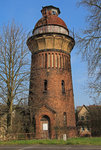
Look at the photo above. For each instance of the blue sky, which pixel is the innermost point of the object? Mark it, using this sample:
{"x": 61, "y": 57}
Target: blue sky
{"x": 27, "y": 13}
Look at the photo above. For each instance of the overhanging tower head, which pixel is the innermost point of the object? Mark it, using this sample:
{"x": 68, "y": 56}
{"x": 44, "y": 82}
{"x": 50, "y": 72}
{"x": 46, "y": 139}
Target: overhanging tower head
{"x": 52, "y": 29}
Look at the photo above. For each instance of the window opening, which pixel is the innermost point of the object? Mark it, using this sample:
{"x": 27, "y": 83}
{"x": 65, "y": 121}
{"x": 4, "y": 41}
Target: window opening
{"x": 82, "y": 117}
{"x": 63, "y": 86}
{"x": 45, "y": 85}
{"x": 82, "y": 128}
{"x": 65, "y": 118}
{"x": 87, "y": 117}
{"x": 54, "y": 12}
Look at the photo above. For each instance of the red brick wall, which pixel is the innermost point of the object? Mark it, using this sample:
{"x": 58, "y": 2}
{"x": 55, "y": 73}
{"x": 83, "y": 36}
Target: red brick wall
{"x": 53, "y": 97}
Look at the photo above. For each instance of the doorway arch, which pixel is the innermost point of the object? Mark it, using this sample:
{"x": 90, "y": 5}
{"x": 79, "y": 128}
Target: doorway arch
{"x": 45, "y": 127}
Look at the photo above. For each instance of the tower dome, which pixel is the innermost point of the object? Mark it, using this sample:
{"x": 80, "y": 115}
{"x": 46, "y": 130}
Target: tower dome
{"x": 50, "y": 22}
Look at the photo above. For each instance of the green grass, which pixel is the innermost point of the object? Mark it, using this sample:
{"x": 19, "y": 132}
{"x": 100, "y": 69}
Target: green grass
{"x": 71, "y": 141}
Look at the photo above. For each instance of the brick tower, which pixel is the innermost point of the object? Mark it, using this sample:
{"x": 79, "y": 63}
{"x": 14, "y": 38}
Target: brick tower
{"x": 51, "y": 93}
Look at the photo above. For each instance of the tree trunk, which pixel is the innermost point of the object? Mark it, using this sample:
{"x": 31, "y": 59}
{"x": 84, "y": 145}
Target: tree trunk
{"x": 9, "y": 116}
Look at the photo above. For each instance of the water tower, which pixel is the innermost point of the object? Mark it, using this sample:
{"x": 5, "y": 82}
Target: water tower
{"x": 51, "y": 91}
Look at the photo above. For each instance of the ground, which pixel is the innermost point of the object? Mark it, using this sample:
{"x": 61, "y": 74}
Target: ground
{"x": 50, "y": 147}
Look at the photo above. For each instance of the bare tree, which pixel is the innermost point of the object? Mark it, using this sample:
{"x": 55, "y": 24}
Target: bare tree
{"x": 89, "y": 43}
{"x": 14, "y": 67}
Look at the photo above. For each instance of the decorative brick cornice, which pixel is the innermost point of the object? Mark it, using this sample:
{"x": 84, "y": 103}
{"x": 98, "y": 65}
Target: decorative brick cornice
{"x": 51, "y": 50}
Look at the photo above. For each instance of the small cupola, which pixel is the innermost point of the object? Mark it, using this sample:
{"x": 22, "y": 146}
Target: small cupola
{"x": 50, "y": 10}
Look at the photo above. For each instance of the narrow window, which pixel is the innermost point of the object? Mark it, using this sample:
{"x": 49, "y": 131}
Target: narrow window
{"x": 63, "y": 86}
{"x": 45, "y": 60}
{"x": 45, "y": 85}
{"x": 65, "y": 118}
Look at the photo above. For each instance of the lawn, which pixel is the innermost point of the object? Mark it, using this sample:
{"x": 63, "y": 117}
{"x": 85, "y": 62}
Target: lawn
{"x": 71, "y": 141}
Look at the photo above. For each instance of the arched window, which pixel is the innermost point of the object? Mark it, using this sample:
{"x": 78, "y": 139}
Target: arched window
{"x": 45, "y": 85}
{"x": 63, "y": 86}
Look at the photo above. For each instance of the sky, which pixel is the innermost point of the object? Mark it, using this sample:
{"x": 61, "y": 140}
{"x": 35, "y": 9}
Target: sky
{"x": 27, "y": 13}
